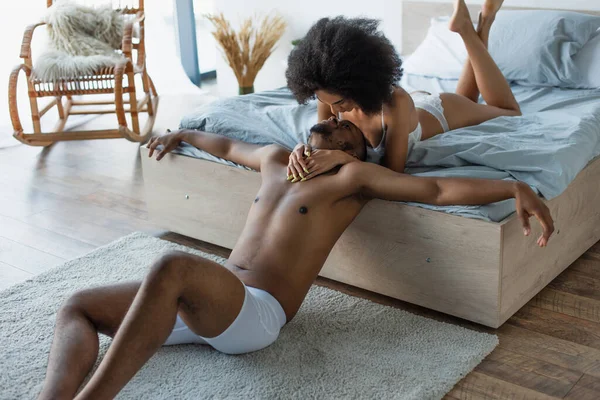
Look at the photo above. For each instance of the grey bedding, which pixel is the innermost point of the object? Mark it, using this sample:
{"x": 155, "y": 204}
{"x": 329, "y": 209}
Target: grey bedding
{"x": 557, "y": 136}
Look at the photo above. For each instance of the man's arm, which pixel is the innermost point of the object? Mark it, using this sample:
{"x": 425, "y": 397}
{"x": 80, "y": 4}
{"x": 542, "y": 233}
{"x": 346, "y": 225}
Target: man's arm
{"x": 375, "y": 181}
{"x": 237, "y": 151}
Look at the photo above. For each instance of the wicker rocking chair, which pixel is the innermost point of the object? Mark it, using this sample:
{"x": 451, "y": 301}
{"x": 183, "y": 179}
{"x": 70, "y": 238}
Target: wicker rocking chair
{"x": 105, "y": 81}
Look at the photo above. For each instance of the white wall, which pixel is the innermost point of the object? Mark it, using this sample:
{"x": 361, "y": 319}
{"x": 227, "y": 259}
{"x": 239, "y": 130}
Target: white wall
{"x": 301, "y": 14}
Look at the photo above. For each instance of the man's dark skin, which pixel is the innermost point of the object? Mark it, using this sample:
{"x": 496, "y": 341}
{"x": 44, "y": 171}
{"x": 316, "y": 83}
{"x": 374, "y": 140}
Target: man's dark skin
{"x": 289, "y": 232}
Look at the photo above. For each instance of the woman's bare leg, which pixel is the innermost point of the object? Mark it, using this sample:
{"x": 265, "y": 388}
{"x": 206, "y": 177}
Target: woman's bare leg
{"x": 485, "y": 73}
{"x": 467, "y": 85}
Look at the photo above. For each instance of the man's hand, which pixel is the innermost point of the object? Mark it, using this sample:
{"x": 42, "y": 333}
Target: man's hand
{"x": 528, "y": 205}
{"x": 169, "y": 141}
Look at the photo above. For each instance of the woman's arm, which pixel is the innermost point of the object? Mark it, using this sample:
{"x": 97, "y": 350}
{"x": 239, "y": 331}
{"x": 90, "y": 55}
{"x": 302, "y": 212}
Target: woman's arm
{"x": 400, "y": 117}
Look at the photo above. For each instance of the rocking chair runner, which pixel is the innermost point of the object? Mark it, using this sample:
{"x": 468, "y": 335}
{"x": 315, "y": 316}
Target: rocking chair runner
{"x": 105, "y": 81}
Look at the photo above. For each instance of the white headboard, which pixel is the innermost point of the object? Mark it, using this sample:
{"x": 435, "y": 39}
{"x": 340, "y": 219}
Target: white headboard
{"x": 416, "y": 17}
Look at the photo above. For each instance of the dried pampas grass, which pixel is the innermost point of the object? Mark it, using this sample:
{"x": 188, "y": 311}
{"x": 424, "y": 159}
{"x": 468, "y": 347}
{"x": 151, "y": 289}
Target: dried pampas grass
{"x": 247, "y": 50}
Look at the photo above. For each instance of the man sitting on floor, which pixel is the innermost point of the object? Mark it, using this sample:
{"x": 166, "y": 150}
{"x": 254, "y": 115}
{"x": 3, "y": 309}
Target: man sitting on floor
{"x": 239, "y": 308}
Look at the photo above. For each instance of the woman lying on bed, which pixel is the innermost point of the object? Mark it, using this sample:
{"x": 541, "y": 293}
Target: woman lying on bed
{"x": 352, "y": 69}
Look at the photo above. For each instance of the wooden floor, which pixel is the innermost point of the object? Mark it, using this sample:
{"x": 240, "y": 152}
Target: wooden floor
{"x": 61, "y": 202}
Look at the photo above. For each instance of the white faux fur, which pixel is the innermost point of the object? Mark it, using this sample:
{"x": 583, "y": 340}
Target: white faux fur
{"x": 83, "y": 40}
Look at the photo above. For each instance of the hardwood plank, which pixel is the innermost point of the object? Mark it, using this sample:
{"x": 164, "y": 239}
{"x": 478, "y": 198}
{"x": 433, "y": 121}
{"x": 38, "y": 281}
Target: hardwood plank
{"x": 480, "y": 386}
{"x": 575, "y": 330}
{"x": 42, "y": 239}
{"x": 26, "y": 258}
{"x": 568, "y": 304}
{"x": 577, "y": 283}
{"x": 549, "y": 349}
{"x": 588, "y": 264}
{"x": 119, "y": 203}
{"x": 588, "y": 388}
{"x": 197, "y": 244}
{"x": 595, "y": 249}
{"x": 10, "y": 275}
{"x": 530, "y": 373}
{"x": 16, "y": 208}
{"x": 77, "y": 225}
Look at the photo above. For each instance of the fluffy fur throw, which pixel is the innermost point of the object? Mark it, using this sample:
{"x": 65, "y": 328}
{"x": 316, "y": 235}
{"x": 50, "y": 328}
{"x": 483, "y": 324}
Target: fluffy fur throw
{"x": 82, "y": 39}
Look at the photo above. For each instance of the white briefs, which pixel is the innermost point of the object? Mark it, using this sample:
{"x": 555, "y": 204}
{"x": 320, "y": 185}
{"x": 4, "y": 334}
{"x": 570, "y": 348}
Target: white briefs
{"x": 257, "y": 326}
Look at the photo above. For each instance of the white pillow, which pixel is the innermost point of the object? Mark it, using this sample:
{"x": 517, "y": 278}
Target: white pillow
{"x": 442, "y": 53}
{"x": 575, "y": 64}
{"x": 588, "y": 62}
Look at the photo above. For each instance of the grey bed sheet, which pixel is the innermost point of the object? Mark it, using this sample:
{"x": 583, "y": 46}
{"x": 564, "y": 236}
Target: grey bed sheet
{"x": 557, "y": 136}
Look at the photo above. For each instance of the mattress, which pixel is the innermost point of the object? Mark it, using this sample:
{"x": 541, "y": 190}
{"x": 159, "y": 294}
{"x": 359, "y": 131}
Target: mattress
{"x": 555, "y": 138}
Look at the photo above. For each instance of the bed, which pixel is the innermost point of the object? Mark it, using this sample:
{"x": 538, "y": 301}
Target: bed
{"x": 470, "y": 262}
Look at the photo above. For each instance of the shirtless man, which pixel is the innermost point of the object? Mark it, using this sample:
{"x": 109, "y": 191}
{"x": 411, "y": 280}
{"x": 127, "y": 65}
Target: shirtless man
{"x": 241, "y": 307}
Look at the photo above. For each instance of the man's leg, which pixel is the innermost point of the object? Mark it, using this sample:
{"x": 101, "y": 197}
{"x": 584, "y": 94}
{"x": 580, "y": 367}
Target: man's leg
{"x": 207, "y": 296}
{"x": 75, "y": 346}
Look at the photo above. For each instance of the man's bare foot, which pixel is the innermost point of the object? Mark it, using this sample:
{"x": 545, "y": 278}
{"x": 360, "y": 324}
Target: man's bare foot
{"x": 460, "y": 20}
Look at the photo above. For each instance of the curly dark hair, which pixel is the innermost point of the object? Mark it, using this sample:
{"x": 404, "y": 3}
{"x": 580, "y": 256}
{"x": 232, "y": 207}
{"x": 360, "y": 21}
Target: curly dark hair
{"x": 346, "y": 56}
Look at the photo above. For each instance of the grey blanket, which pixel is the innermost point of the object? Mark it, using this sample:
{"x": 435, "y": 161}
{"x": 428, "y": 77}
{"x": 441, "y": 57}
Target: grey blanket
{"x": 557, "y": 136}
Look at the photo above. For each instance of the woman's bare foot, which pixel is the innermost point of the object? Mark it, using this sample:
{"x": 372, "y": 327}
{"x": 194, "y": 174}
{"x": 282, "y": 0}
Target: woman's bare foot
{"x": 490, "y": 8}
{"x": 487, "y": 16}
{"x": 461, "y": 19}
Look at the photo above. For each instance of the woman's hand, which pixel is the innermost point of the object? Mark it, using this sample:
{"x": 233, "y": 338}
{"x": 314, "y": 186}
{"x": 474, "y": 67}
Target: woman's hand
{"x": 297, "y": 167}
{"x": 169, "y": 141}
{"x": 321, "y": 161}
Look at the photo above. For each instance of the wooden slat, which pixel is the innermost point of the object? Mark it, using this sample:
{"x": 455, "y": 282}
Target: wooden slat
{"x": 93, "y": 103}
{"x": 72, "y": 135}
{"x": 42, "y": 239}
{"x": 119, "y": 203}
{"x": 578, "y": 284}
{"x": 568, "y": 304}
{"x": 588, "y": 264}
{"x": 10, "y": 275}
{"x": 558, "y": 325}
{"x": 103, "y": 111}
{"x": 44, "y": 110}
{"x": 549, "y": 349}
{"x": 588, "y": 388}
{"x": 25, "y": 257}
{"x": 477, "y": 386}
{"x": 530, "y": 373}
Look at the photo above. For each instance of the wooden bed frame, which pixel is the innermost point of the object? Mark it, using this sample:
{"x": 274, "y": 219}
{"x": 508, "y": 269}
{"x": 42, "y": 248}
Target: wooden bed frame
{"x": 477, "y": 270}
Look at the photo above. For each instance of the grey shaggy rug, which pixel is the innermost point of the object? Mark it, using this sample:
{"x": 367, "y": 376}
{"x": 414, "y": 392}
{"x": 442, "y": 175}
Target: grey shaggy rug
{"x": 338, "y": 346}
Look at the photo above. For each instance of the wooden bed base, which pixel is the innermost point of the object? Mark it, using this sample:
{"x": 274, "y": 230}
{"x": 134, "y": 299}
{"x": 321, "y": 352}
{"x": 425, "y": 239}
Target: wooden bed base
{"x": 476, "y": 270}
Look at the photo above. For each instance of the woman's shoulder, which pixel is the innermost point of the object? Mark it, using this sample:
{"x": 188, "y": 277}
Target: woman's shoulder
{"x": 401, "y": 103}
{"x": 401, "y": 97}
